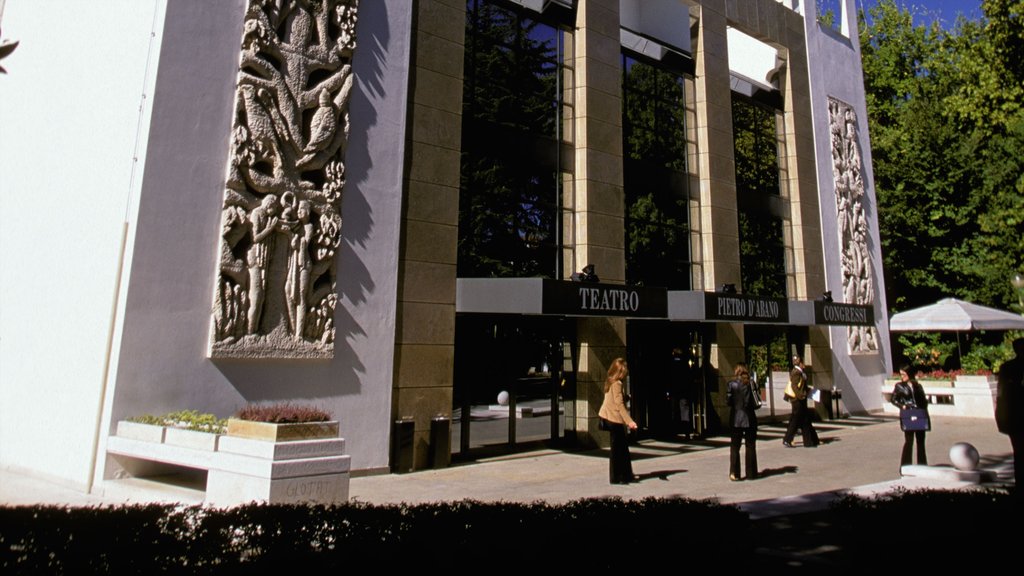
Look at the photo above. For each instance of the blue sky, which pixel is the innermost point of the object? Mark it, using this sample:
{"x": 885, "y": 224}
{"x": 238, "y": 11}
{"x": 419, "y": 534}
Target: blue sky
{"x": 945, "y": 11}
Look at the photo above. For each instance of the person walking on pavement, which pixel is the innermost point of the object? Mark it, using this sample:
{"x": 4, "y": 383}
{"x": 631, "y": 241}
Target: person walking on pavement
{"x": 906, "y": 394}
{"x": 1010, "y": 406}
{"x": 800, "y": 417}
{"x": 616, "y": 419}
{"x": 743, "y": 420}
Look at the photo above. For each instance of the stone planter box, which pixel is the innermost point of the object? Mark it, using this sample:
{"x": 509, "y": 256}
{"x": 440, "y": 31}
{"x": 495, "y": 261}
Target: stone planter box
{"x": 139, "y": 431}
{"x": 191, "y": 438}
{"x": 273, "y": 432}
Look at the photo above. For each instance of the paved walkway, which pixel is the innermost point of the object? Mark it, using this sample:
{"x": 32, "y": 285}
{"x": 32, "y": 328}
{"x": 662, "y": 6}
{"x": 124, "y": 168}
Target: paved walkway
{"x": 858, "y": 455}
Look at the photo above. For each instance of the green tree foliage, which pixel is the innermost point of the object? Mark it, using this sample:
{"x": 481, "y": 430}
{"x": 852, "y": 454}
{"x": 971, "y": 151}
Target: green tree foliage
{"x": 947, "y": 133}
{"x": 947, "y": 130}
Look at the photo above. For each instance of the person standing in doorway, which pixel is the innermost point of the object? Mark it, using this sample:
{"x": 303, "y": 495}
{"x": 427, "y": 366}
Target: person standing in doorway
{"x": 1010, "y": 406}
{"x": 800, "y": 417}
{"x": 907, "y": 394}
{"x": 743, "y": 420}
{"x": 616, "y": 419}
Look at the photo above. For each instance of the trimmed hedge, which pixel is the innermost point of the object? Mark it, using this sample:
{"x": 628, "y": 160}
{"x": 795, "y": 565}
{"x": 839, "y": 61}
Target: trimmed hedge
{"x": 930, "y": 530}
{"x": 596, "y": 533}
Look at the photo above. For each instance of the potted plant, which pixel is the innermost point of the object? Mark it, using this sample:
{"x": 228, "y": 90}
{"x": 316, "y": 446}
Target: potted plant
{"x": 187, "y": 428}
{"x": 282, "y": 422}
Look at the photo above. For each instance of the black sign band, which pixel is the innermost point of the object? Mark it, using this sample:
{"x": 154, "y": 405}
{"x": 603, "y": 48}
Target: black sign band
{"x": 742, "y": 308}
{"x": 836, "y": 314}
{"x": 592, "y": 299}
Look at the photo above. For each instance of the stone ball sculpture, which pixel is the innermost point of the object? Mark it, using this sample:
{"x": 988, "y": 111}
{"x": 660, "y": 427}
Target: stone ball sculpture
{"x": 964, "y": 456}
{"x": 503, "y": 398}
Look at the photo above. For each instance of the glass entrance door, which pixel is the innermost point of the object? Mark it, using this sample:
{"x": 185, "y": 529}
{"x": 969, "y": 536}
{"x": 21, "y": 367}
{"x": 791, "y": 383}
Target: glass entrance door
{"x": 666, "y": 381}
{"x": 514, "y": 381}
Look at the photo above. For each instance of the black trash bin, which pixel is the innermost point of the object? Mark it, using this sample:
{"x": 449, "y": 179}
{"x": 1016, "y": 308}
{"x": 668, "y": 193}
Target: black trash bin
{"x": 402, "y": 436}
{"x": 440, "y": 441}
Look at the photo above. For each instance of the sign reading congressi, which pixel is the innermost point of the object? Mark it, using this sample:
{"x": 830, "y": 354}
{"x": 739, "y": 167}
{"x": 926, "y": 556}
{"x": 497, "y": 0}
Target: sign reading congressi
{"x": 592, "y": 299}
{"x": 837, "y": 314}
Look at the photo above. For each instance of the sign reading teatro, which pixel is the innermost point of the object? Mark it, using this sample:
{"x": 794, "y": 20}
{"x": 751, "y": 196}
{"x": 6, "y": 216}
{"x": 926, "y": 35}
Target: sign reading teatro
{"x": 592, "y": 299}
{"x": 742, "y": 308}
{"x": 837, "y": 314}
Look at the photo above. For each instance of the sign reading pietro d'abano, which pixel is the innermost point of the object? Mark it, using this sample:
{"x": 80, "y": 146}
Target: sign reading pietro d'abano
{"x": 742, "y": 308}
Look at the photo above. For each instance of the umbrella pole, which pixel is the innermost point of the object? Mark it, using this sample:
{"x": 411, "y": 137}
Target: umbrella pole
{"x": 959, "y": 353}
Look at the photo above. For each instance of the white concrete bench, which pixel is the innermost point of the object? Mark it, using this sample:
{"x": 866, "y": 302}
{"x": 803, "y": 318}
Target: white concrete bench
{"x": 969, "y": 396}
{"x": 241, "y": 470}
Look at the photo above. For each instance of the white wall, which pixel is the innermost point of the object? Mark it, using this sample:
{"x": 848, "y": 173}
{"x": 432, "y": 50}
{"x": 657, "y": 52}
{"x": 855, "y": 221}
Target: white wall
{"x": 835, "y": 70}
{"x": 79, "y": 103}
{"x": 161, "y": 345}
{"x": 750, "y": 57}
{"x": 665, "y": 20}
{"x": 69, "y": 119}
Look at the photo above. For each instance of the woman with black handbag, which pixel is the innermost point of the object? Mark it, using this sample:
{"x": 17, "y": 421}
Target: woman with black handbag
{"x": 908, "y": 395}
{"x": 743, "y": 420}
{"x": 615, "y": 419}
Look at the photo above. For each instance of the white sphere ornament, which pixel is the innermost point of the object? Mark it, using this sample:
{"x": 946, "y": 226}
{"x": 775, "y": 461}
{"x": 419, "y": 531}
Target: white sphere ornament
{"x": 503, "y": 398}
{"x": 964, "y": 457}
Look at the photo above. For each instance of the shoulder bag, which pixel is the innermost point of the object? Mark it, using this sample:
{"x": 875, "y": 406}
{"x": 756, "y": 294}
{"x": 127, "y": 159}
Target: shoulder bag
{"x": 915, "y": 420}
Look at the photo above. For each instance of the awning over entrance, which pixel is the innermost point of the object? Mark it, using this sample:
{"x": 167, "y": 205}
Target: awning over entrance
{"x": 562, "y": 298}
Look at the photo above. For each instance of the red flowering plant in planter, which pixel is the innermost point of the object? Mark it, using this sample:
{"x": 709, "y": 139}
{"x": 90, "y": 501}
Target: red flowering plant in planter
{"x": 282, "y": 421}
{"x": 283, "y": 413}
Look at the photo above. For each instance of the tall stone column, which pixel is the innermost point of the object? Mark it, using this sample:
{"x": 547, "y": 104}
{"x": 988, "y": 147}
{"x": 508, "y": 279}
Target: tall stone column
{"x": 717, "y": 168}
{"x": 425, "y": 334}
{"x": 599, "y": 230}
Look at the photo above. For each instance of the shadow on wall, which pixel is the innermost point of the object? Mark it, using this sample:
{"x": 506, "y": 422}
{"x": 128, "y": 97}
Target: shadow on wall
{"x": 277, "y": 380}
{"x": 871, "y": 370}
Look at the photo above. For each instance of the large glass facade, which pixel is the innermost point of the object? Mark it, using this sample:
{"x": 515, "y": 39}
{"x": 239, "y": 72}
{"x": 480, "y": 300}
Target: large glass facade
{"x": 763, "y": 206}
{"x": 515, "y": 200}
{"x": 657, "y": 207}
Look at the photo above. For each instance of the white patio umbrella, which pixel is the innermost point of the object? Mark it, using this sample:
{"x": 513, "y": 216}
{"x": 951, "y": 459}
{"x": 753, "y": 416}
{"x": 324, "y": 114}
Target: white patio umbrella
{"x": 952, "y": 315}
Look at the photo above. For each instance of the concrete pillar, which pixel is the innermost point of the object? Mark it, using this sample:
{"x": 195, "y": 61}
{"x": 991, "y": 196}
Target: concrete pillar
{"x": 425, "y": 332}
{"x": 599, "y": 230}
{"x": 719, "y": 217}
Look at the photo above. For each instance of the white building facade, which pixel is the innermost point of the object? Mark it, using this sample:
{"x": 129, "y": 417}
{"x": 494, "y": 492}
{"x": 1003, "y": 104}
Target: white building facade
{"x": 113, "y": 254}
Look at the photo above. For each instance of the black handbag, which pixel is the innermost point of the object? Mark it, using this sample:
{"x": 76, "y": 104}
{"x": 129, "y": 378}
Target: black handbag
{"x": 915, "y": 420}
{"x": 604, "y": 425}
{"x": 755, "y": 396}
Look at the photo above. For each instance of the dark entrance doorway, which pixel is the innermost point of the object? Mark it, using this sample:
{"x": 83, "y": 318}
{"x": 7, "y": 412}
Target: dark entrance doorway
{"x": 768, "y": 350}
{"x": 515, "y": 382}
{"x": 666, "y": 381}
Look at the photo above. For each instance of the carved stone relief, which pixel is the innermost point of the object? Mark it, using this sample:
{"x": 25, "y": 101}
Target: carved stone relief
{"x": 847, "y": 174}
{"x": 276, "y": 288}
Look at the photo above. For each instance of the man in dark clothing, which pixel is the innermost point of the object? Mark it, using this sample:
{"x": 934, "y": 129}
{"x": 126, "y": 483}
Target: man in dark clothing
{"x": 1010, "y": 405}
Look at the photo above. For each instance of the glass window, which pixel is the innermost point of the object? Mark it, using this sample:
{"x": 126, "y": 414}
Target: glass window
{"x": 512, "y": 204}
{"x": 656, "y": 191}
{"x": 763, "y": 210}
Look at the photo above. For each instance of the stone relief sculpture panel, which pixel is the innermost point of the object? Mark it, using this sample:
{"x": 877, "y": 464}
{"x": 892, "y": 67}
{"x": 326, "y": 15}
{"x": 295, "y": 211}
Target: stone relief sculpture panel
{"x": 847, "y": 174}
{"x": 276, "y": 288}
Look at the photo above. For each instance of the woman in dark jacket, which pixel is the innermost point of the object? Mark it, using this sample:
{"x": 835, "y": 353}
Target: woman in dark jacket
{"x": 908, "y": 393}
{"x": 740, "y": 397}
